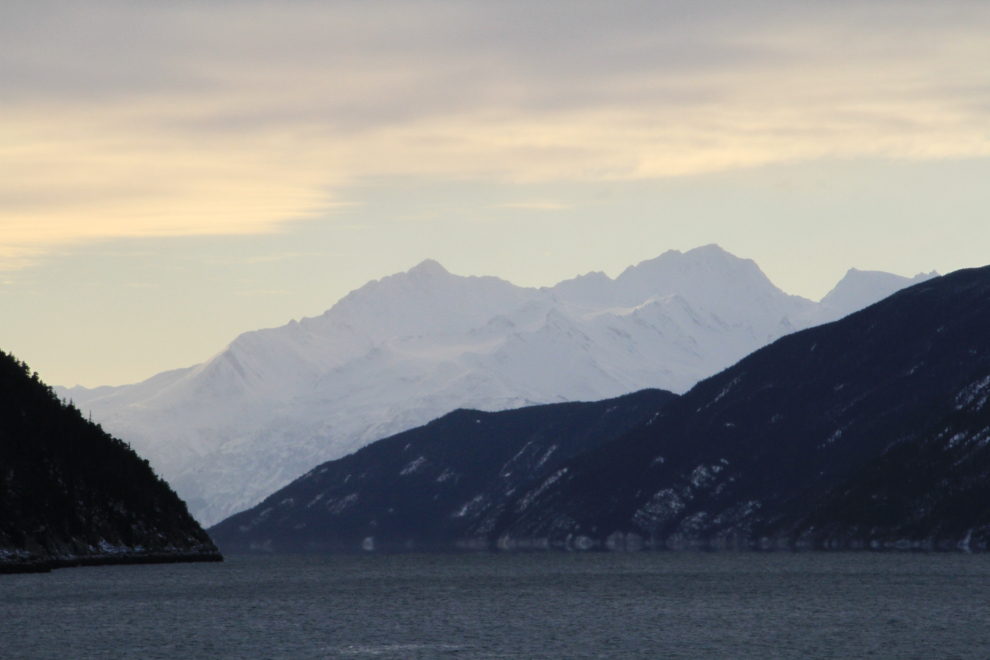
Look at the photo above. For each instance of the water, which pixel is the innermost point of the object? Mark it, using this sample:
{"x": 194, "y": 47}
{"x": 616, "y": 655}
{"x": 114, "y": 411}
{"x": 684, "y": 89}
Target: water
{"x": 649, "y": 605}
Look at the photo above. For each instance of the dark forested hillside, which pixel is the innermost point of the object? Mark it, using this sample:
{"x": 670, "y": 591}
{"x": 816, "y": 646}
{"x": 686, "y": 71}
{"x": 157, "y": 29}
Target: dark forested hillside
{"x": 440, "y": 486}
{"x": 70, "y": 494}
{"x": 929, "y": 489}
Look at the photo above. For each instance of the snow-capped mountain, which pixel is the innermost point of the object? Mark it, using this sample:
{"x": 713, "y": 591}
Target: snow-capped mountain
{"x": 410, "y": 347}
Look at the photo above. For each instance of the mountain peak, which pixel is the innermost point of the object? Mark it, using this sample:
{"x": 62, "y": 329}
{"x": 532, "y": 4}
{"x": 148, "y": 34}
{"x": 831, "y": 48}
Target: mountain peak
{"x": 707, "y": 275}
{"x": 709, "y": 257}
{"x": 711, "y": 250}
{"x": 860, "y": 288}
{"x": 428, "y": 268}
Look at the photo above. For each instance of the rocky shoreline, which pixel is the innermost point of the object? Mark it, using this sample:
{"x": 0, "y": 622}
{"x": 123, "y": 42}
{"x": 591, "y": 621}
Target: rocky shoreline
{"x": 17, "y": 562}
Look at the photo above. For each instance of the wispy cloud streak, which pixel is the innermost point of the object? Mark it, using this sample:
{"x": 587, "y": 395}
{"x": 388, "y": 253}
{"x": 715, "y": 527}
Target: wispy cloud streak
{"x": 142, "y": 119}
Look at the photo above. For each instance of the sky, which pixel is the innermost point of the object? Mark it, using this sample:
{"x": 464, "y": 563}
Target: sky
{"x": 175, "y": 173}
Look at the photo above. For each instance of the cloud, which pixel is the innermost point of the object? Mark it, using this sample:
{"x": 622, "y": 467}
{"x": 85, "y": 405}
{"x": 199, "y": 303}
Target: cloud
{"x": 147, "y": 119}
{"x": 534, "y": 206}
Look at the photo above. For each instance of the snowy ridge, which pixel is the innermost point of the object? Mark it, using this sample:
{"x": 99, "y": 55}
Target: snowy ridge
{"x": 859, "y": 289}
{"x": 401, "y": 351}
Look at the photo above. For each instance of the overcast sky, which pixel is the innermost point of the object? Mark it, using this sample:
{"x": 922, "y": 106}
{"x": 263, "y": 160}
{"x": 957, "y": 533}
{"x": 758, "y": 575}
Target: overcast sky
{"x": 174, "y": 173}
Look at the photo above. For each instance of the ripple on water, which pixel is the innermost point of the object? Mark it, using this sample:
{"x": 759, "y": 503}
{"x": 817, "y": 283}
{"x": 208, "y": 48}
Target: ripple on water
{"x": 639, "y": 605}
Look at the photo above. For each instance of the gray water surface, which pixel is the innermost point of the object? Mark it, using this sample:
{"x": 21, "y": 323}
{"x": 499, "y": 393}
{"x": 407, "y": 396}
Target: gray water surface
{"x": 648, "y": 605}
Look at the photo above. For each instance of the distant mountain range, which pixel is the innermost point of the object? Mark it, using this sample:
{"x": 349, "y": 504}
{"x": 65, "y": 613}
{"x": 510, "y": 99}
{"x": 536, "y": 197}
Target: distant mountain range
{"x": 411, "y": 347}
{"x": 72, "y": 495}
{"x": 870, "y": 432}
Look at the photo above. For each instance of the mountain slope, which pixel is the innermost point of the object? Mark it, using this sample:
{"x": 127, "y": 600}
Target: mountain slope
{"x": 436, "y": 486}
{"x": 70, "y": 494}
{"x": 403, "y": 350}
{"x": 927, "y": 492}
{"x": 869, "y": 430}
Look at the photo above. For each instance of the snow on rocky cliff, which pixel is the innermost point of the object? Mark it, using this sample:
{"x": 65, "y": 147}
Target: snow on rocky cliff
{"x": 403, "y": 350}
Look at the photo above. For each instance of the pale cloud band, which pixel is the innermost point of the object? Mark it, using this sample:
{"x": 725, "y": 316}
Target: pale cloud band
{"x": 135, "y": 119}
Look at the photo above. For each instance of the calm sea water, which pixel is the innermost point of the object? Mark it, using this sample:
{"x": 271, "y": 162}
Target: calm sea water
{"x": 650, "y": 605}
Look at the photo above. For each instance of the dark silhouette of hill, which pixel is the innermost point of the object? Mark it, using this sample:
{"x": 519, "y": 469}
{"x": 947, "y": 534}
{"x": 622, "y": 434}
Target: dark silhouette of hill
{"x": 71, "y": 495}
{"x": 441, "y": 486}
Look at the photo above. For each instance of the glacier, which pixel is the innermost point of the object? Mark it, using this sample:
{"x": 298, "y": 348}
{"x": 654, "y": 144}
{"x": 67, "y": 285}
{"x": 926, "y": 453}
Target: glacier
{"x": 408, "y": 348}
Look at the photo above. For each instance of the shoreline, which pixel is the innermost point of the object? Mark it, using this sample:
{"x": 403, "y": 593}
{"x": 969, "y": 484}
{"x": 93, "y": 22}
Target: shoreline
{"x": 47, "y": 565}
